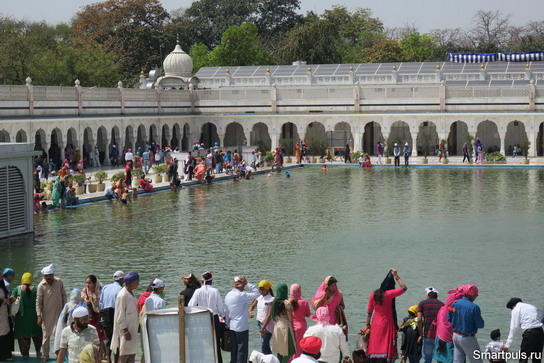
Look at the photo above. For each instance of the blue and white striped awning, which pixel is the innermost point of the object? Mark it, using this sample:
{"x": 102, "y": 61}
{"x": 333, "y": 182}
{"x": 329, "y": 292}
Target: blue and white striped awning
{"x": 472, "y": 57}
{"x": 521, "y": 57}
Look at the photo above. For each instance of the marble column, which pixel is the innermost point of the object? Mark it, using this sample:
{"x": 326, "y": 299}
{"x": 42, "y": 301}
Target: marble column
{"x": 502, "y": 136}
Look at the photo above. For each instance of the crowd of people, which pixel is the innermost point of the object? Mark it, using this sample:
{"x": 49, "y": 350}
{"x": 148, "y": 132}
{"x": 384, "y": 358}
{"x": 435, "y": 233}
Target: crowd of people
{"x": 101, "y": 322}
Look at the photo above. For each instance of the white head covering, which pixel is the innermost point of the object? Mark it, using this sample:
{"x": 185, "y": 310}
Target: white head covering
{"x": 430, "y": 289}
{"x": 80, "y": 312}
{"x": 118, "y": 275}
{"x": 406, "y": 144}
{"x": 157, "y": 284}
{"x": 396, "y": 144}
{"x": 258, "y": 357}
{"x": 48, "y": 270}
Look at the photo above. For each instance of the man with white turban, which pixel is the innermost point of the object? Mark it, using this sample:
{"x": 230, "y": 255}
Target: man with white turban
{"x": 50, "y": 300}
{"x": 76, "y": 336}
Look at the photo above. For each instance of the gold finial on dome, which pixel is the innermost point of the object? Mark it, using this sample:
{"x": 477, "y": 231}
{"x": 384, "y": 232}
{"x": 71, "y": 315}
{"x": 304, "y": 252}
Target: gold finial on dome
{"x": 267, "y": 69}
{"x": 309, "y": 69}
{"x": 228, "y": 71}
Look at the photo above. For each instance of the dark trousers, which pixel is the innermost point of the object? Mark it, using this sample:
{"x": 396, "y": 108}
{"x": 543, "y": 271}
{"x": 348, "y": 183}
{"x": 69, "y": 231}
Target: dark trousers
{"x": 532, "y": 343}
{"x": 24, "y": 344}
{"x": 466, "y": 157}
{"x": 406, "y": 158}
{"x": 239, "y": 346}
{"x": 397, "y": 160}
{"x": 218, "y": 335}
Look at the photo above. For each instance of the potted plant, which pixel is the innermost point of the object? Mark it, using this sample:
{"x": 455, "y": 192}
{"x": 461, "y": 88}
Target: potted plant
{"x": 159, "y": 170}
{"x": 92, "y": 187}
{"x": 269, "y": 158}
{"x": 495, "y": 158}
{"x": 117, "y": 176}
{"x": 137, "y": 173}
{"x": 287, "y": 145}
{"x": 445, "y": 151}
{"x": 525, "y": 148}
{"x": 426, "y": 144}
{"x": 100, "y": 175}
{"x": 79, "y": 179}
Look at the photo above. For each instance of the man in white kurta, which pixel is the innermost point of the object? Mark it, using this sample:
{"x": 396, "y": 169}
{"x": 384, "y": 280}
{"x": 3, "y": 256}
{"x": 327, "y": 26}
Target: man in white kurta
{"x": 125, "y": 329}
{"x": 333, "y": 340}
{"x": 50, "y": 300}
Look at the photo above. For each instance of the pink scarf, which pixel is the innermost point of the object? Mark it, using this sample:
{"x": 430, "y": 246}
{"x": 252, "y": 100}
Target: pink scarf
{"x": 333, "y": 303}
{"x": 295, "y": 292}
{"x": 323, "y": 316}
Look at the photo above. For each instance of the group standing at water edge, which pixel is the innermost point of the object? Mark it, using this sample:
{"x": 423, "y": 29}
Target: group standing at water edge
{"x": 100, "y": 320}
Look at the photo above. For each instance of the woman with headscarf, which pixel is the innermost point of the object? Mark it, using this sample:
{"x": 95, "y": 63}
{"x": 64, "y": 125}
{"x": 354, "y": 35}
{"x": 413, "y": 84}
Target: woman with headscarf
{"x": 26, "y": 326}
{"x": 90, "y": 354}
{"x": 329, "y": 296}
{"x": 90, "y": 295}
{"x": 283, "y": 338}
{"x": 56, "y": 192}
{"x": 301, "y": 310}
{"x": 443, "y": 350}
{"x": 382, "y": 344}
{"x": 263, "y": 304}
{"x": 410, "y": 348}
{"x": 65, "y": 316}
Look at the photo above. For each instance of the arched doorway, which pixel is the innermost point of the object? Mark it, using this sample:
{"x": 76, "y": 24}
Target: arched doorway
{"x": 4, "y": 136}
{"x": 341, "y": 136}
{"x": 21, "y": 136}
{"x": 209, "y": 135}
{"x": 176, "y": 136}
{"x": 40, "y": 141}
{"x": 102, "y": 143}
{"x": 71, "y": 139}
{"x": 489, "y": 136}
{"x": 165, "y": 139}
{"x": 289, "y": 137}
{"x": 153, "y": 135}
{"x": 88, "y": 145}
{"x": 141, "y": 138}
{"x": 372, "y": 134}
{"x": 129, "y": 137}
{"x": 261, "y": 137}
{"x": 234, "y": 136}
{"x": 317, "y": 139}
{"x": 540, "y": 140}
{"x": 457, "y": 137}
{"x": 427, "y": 138}
{"x": 515, "y": 136}
{"x": 400, "y": 134}
{"x": 186, "y": 136}
{"x": 115, "y": 139}
{"x": 55, "y": 150}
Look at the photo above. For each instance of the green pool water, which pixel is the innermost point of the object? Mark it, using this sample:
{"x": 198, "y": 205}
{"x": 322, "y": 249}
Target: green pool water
{"x": 438, "y": 226}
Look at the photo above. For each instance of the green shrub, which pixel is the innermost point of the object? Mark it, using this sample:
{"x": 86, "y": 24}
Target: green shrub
{"x": 159, "y": 169}
{"x": 269, "y": 157}
{"x": 117, "y": 176}
{"x": 287, "y": 144}
{"x": 496, "y": 156}
{"x": 138, "y": 173}
{"x": 317, "y": 147}
{"x": 100, "y": 175}
{"x": 355, "y": 156}
{"x": 79, "y": 179}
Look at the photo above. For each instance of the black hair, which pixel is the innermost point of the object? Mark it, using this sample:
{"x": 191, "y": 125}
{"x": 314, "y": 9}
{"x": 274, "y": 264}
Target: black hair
{"x": 92, "y": 278}
{"x": 378, "y": 296}
{"x": 192, "y": 282}
{"x": 150, "y": 286}
{"x": 207, "y": 276}
{"x": 331, "y": 281}
{"x": 512, "y": 303}
{"x": 432, "y": 295}
{"x": 279, "y": 307}
{"x": 495, "y": 334}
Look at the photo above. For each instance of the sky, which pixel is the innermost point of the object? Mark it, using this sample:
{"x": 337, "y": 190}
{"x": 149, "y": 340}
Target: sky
{"x": 424, "y": 14}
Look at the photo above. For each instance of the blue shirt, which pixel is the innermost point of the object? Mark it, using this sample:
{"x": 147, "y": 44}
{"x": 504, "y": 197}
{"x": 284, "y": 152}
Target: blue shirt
{"x": 145, "y": 155}
{"x": 109, "y": 294}
{"x": 236, "y": 307}
{"x": 467, "y": 318}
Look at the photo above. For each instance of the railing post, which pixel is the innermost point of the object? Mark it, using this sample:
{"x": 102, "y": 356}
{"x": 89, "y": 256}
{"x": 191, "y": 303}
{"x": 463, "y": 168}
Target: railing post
{"x": 532, "y": 95}
{"x": 79, "y": 97}
{"x": 30, "y": 94}
{"x": 122, "y": 96}
{"x": 274, "y": 99}
{"x": 158, "y": 99}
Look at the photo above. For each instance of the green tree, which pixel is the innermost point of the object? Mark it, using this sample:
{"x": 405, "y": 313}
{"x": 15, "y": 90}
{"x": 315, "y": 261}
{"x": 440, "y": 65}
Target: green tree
{"x": 314, "y": 42}
{"x": 382, "y": 51}
{"x": 417, "y": 47}
{"x": 239, "y": 47}
{"x": 200, "y": 54}
{"x": 275, "y": 18}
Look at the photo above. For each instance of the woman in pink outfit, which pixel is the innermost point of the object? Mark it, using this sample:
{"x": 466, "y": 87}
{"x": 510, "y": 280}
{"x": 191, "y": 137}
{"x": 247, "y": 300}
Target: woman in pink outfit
{"x": 301, "y": 310}
{"x": 443, "y": 350}
{"x": 329, "y": 296}
{"x": 382, "y": 344}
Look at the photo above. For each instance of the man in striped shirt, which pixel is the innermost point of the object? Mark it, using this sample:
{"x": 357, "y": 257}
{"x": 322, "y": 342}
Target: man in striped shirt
{"x": 426, "y": 313}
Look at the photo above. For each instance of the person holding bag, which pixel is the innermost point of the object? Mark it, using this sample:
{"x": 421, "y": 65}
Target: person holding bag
{"x": 26, "y": 326}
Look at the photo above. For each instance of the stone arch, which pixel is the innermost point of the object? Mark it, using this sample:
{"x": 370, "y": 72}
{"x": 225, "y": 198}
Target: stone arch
{"x": 371, "y": 135}
{"x": 102, "y": 143}
{"x": 261, "y": 137}
{"x": 540, "y": 140}
{"x": 140, "y": 138}
{"x": 71, "y": 138}
{"x": 427, "y": 138}
{"x": 153, "y": 134}
{"x": 165, "y": 137}
{"x": 289, "y": 137}
{"x": 209, "y": 135}
{"x": 56, "y": 147}
{"x": 88, "y": 141}
{"x": 129, "y": 137}
{"x": 488, "y": 133}
{"x": 4, "y": 136}
{"x": 176, "y": 136}
{"x": 457, "y": 137}
{"x": 341, "y": 136}
{"x": 21, "y": 136}
{"x": 234, "y": 135}
{"x": 40, "y": 141}
{"x": 186, "y": 137}
{"x": 515, "y": 136}
{"x": 400, "y": 133}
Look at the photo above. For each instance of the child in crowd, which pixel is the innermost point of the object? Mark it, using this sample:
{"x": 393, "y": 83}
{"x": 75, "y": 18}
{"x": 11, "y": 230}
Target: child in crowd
{"x": 411, "y": 349}
{"x": 495, "y": 347}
